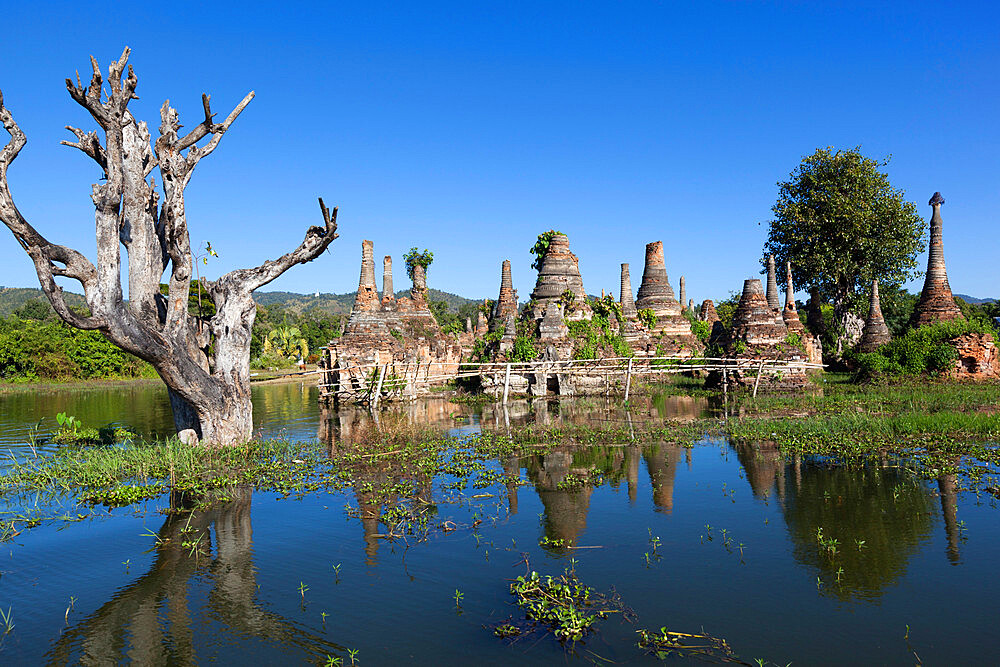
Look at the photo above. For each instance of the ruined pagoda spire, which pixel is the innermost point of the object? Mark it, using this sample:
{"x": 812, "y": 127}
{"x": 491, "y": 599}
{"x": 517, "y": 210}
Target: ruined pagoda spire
{"x": 936, "y": 301}
{"x": 753, "y": 321}
{"x": 655, "y": 291}
{"x": 683, "y": 292}
{"x": 388, "y": 295}
{"x": 790, "y": 315}
{"x": 876, "y": 333}
{"x": 367, "y": 297}
{"x": 772, "y": 285}
{"x": 507, "y": 300}
{"x": 627, "y": 301}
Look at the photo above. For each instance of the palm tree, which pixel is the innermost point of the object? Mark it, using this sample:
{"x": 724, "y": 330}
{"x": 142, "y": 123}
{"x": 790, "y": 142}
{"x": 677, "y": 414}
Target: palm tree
{"x": 286, "y": 341}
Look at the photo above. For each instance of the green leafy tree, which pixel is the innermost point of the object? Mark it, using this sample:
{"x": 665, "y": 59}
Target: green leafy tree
{"x": 415, "y": 257}
{"x": 841, "y": 224}
{"x": 34, "y": 309}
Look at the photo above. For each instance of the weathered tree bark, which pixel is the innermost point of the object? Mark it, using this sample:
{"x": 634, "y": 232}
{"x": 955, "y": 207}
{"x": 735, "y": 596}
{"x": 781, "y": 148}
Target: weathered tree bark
{"x": 205, "y": 362}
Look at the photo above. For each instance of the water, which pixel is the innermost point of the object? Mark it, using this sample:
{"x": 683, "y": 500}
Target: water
{"x": 927, "y": 560}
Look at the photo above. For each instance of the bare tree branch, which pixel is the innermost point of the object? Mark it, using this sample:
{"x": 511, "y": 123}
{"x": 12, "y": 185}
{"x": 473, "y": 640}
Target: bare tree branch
{"x": 218, "y": 130}
{"x": 316, "y": 241}
{"x": 43, "y": 253}
{"x": 89, "y": 143}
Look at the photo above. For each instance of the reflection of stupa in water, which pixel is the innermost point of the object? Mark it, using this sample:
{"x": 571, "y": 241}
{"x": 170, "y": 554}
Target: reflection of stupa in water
{"x": 565, "y": 509}
{"x": 888, "y": 511}
{"x": 765, "y": 469}
{"x": 632, "y": 456}
{"x": 949, "y": 509}
{"x": 152, "y": 621}
{"x": 662, "y": 461}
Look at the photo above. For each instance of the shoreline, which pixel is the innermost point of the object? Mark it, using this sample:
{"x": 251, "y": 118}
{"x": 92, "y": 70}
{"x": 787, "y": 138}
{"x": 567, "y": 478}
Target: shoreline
{"x": 7, "y": 387}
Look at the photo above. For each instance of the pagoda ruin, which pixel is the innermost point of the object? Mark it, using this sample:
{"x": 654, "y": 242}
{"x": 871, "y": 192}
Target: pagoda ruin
{"x": 875, "y": 333}
{"x": 936, "y": 302}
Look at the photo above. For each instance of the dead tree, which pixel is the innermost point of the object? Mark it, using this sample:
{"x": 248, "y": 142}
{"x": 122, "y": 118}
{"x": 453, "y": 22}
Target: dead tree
{"x": 205, "y": 362}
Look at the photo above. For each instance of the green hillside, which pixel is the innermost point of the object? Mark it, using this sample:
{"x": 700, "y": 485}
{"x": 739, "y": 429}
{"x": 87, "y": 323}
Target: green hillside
{"x": 340, "y": 304}
{"x": 12, "y": 298}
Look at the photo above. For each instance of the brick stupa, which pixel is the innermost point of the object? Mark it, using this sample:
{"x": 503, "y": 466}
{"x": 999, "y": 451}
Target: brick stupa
{"x": 657, "y": 295}
{"x": 506, "y": 301}
{"x": 388, "y": 295}
{"x": 876, "y": 333}
{"x": 558, "y": 272}
{"x": 757, "y": 335}
{"x": 772, "y": 285}
{"x": 629, "y": 311}
{"x": 790, "y": 315}
{"x": 753, "y": 321}
{"x": 708, "y": 312}
{"x": 936, "y": 302}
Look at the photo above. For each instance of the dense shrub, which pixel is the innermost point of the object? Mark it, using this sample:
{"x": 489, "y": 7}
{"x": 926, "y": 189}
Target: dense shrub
{"x": 32, "y": 350}
{"x": 924, "y": 350}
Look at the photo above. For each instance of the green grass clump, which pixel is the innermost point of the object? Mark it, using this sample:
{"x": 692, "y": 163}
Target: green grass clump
{"x": 563, "y": 604}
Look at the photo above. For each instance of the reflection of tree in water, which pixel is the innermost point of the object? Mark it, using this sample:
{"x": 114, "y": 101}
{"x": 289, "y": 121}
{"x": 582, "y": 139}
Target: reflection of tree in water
{"x": 891, "y": 511}
{"x": 151, "y": 621}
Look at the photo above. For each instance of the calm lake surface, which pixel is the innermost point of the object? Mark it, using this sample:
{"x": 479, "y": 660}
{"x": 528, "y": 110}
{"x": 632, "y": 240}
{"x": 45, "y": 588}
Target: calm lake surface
{"x": 738, "y": 555}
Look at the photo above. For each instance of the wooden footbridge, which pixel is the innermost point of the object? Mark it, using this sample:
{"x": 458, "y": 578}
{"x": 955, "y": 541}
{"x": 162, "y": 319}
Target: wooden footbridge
{"x": 390, "y": 381}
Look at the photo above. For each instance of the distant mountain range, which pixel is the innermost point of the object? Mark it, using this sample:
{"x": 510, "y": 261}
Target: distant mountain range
{"x": 341, "y": 304}
{"x": 12, "y": 298}
{"x": 971, "y": 299}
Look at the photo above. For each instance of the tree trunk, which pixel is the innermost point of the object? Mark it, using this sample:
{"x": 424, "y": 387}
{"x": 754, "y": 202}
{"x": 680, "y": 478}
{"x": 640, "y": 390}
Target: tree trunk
{"x": 205, "y": 362}
{"x": 814, "y": 314}
{"x": 849, "y": 325}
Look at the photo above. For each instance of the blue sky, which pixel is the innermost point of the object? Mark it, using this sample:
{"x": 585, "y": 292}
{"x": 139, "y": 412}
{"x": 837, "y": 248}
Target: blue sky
{"x": 469, "y": 128}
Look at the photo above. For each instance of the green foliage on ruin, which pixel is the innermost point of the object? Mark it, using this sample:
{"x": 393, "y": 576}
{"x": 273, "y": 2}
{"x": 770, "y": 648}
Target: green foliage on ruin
{"x": 727, "y": 309}
{"x": 925, "y": 350}
{"x": 541, "y": 246}
{"x": 606, "y": 307}
{"x": 483, "y": 347}
{"x": 594, "y": 338}
{"x": 452, "y": 321}
{"x": 647, "y": 317}
{"x": 703, "y": 330}
{"x": 414, "y": 257}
